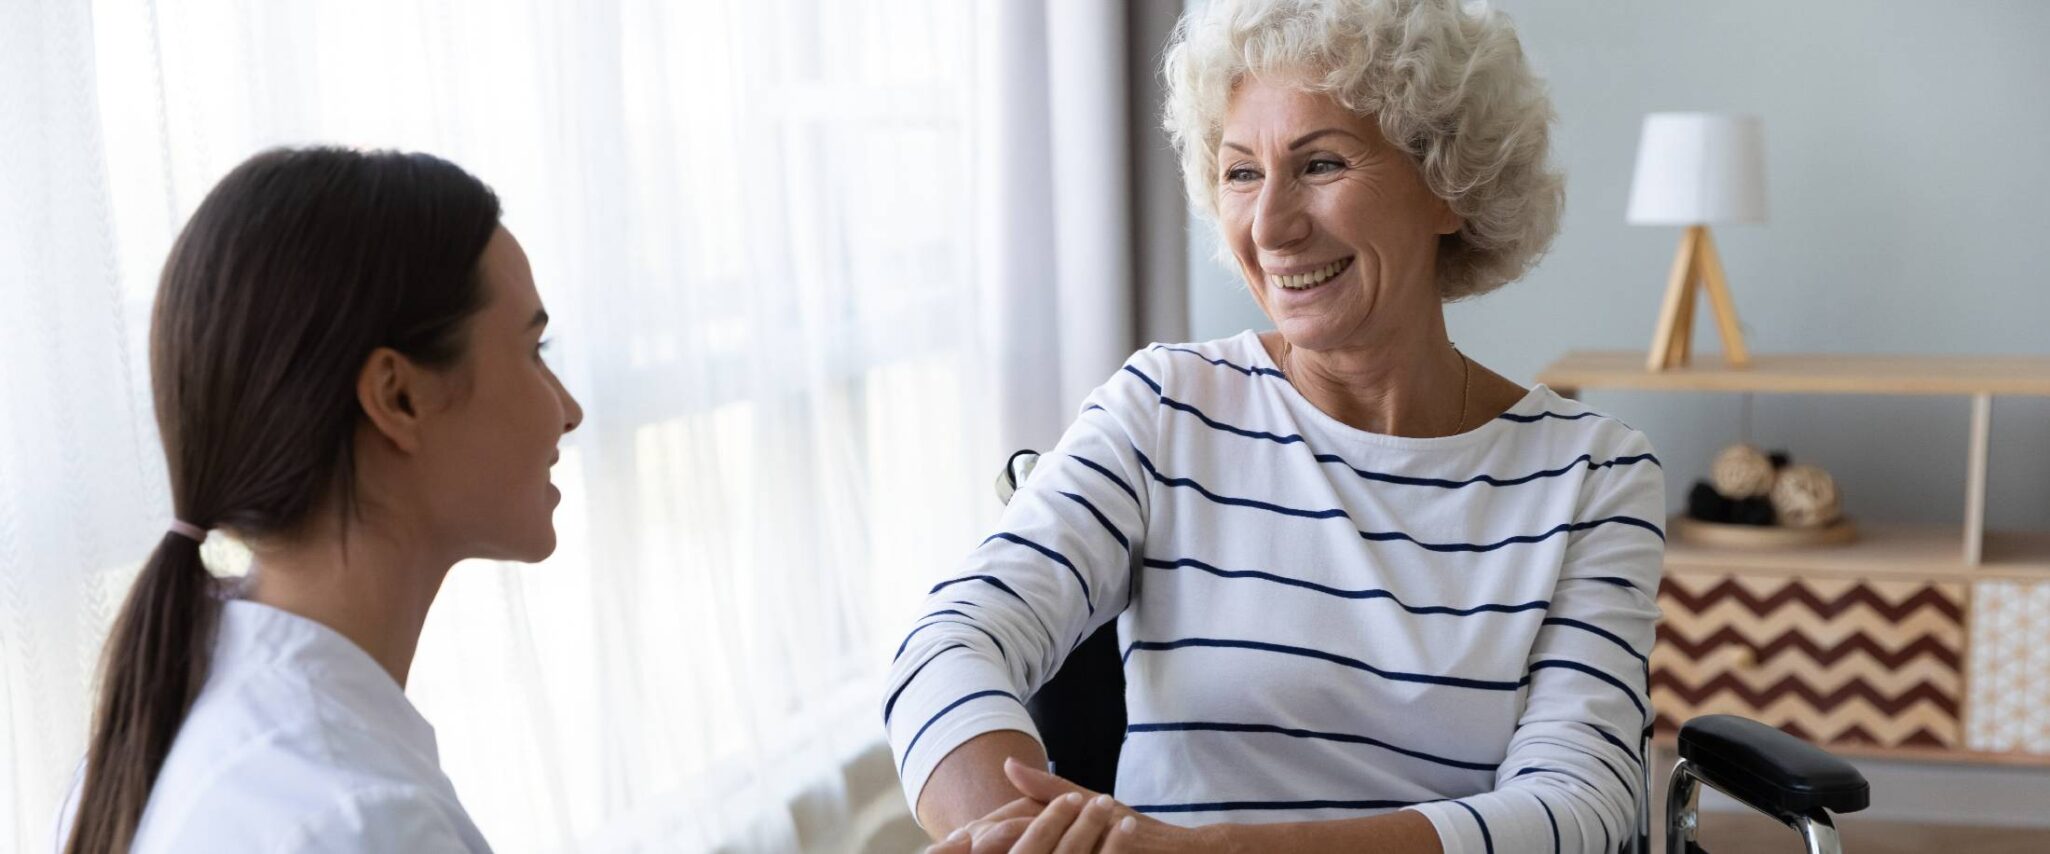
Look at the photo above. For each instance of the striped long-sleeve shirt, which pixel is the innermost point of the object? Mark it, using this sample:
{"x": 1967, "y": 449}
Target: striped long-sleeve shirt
{"x": 1318, "y": 622}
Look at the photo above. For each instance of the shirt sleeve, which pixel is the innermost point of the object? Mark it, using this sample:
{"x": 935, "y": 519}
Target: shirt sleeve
{"x": 1574, "y": 772}
{"x": 386, "y": 818}
{"x": 1058, "y": 567}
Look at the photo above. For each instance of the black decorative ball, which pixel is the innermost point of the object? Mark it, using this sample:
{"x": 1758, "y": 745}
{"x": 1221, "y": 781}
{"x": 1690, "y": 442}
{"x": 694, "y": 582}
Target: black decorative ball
{"x": 1752, "y": 511}
{"x": 1708, "y": 505}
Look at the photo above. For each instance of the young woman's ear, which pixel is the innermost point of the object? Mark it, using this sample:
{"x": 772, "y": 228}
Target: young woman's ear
{"x": 392, "y": 392}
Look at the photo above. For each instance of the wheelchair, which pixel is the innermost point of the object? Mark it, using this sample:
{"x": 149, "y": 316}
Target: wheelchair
{"x": 1080, "y": 713}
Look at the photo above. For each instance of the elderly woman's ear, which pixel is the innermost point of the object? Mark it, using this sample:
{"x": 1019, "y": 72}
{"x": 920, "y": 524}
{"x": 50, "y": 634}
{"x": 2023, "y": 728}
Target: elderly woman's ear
{"x": 1449, "y": 222}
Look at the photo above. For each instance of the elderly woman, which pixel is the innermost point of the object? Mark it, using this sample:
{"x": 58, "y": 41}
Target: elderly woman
{"x": 1371, "y": 595}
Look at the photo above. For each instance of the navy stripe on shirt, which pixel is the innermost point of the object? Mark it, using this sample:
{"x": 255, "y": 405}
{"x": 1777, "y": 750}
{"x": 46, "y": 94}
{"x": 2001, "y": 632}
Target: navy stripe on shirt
{"x": 1143, "y": 378}
{"x": 1101, "y": 519}
{"x": 1559, "y": 771}
{"x": 1527, "y": 419}
{"x": 923, "y": 626}
{"x": 1293, "y": 438}
{"x": 943, "y": 713}
{"x": 1549, "y": 820}
{"x": 1107, "y": 473}
{"x": 1370, "y": 593}
{"x": 1305, "y": 652}
{"x": 1605, "y": 579}
{"x": 999, "y": 584}
{"x": 1487, "y": 839}
{"x": 1551, "y": 663}
{"x": 1406, "y": 480}
{"x": 1057, "y": 558}
{"x": 1598, "y": 631}
{"x": 1606, "y": 736}
{"x": 1209, "y": 726}
{"x": 1215, "y": 424}
{"x": 1224, "y": 363}
{"x": 891, "y": 704}
{"x": 1385, "y": 536}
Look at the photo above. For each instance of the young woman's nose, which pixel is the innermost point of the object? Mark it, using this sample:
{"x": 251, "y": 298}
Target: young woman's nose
{"x": 572, "y": 413}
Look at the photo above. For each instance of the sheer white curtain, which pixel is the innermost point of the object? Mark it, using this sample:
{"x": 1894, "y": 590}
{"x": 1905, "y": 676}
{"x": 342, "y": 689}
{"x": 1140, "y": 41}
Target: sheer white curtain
{"x": 81, "y": 477}
{"x": 803, "y": 260}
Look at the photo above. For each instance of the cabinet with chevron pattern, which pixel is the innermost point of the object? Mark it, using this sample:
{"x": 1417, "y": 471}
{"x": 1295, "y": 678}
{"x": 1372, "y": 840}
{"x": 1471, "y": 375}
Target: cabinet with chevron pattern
{"x": 1926, "y": 642}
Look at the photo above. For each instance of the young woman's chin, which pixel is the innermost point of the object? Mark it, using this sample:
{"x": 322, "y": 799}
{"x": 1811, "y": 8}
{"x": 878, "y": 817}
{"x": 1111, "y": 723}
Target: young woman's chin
{"x": 528, "y": 539}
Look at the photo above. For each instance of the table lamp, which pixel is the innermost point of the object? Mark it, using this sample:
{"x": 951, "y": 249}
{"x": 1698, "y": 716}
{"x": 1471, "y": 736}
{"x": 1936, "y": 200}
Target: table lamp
{"x": 1696, "y": 170}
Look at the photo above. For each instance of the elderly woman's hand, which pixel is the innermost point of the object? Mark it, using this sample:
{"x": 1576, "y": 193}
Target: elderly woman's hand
{"x": 1078, "y": 821}
{"x": 1067, "y": 823}
{"x": 994, "y": 833}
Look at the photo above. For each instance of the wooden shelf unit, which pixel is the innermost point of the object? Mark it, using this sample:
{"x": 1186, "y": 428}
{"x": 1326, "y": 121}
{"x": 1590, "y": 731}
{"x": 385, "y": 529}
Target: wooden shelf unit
{"x": 1979, "y": 378}
{"x": 1861, "y": 608}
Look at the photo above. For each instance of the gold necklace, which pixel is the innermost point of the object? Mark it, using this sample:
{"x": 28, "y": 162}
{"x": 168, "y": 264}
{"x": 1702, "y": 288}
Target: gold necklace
{"x": 1465, "y": 379}
{"x": 1465, "y": 387}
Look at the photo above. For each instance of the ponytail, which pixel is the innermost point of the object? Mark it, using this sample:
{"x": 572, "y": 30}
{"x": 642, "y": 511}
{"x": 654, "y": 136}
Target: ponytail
{"x": 155, "y": 662}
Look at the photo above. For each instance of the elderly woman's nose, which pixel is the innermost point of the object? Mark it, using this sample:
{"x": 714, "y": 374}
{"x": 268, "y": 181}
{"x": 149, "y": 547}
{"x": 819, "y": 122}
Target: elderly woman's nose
{"x": 1278, "y": 217}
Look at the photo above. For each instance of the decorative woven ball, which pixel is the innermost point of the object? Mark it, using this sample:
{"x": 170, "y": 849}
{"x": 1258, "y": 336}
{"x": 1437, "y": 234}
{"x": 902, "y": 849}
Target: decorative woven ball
{"x": 1805, "y": 496}
{"x": 1742, "y": 471}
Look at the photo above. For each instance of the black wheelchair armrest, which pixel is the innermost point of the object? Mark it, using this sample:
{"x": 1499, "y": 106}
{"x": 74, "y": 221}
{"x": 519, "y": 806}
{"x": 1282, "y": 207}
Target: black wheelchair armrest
{"x": 1770, "y": 770}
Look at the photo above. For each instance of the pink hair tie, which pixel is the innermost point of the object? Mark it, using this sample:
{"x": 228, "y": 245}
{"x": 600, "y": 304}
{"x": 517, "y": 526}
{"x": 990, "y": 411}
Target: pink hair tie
{"x": 188, "y": 530}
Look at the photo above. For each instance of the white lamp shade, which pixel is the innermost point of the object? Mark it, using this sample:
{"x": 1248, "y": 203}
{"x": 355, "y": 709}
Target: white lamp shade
{"x": 1699, "y": 169}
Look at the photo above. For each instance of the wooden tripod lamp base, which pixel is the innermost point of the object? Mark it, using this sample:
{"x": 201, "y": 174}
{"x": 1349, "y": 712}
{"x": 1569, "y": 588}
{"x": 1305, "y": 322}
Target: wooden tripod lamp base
{"x": 1696, "y": 265}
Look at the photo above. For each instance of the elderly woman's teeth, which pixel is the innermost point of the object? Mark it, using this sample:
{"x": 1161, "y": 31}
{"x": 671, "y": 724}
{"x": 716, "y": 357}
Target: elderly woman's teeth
{"x": 1311, "y": 279}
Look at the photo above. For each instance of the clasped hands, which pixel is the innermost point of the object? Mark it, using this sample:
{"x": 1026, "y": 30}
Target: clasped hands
{"x": 1055, "y": 816}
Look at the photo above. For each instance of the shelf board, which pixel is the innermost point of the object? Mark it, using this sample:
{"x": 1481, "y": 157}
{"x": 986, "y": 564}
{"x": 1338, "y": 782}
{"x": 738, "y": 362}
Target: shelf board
{"x": 1882, "y": 551}
{"x": 1808, "y": 374}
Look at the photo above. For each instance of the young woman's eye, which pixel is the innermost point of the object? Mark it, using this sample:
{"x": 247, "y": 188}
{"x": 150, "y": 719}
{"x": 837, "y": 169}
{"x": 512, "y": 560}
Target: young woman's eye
{"x": 1323, "y": 167}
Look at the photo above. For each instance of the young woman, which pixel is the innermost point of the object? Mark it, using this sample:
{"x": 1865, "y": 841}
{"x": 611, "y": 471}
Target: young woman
{"x": 346, "y": 357}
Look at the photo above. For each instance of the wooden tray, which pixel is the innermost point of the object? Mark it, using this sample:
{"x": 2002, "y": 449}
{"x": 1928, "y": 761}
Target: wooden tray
{"x": 1725, "y": 535}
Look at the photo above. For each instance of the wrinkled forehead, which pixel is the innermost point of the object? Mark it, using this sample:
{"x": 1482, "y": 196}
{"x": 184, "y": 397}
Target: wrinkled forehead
{"x": 1262, "y": 109}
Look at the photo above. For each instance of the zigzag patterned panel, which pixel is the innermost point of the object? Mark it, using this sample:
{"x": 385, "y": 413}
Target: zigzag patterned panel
{"x": 1834, "y": 661}
{"x": 2010, "y": 667}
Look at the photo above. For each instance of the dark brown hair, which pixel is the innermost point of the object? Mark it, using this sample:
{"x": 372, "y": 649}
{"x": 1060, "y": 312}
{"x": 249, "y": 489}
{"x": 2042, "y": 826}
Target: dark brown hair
{"x": 296, "y": 267}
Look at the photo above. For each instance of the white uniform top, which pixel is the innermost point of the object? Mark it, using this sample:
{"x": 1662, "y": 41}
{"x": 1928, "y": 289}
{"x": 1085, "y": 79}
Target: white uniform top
{"x": 299, "y": 742}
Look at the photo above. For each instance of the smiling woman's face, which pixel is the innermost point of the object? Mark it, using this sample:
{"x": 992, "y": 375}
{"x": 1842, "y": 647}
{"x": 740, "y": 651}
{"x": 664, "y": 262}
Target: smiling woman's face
{"x": 486, "y": 456}
{"x": 1334, "y": 229}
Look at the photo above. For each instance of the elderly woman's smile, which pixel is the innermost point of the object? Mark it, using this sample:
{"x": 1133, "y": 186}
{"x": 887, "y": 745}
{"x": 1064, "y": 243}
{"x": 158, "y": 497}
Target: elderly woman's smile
{"x": 1304, "y": 277}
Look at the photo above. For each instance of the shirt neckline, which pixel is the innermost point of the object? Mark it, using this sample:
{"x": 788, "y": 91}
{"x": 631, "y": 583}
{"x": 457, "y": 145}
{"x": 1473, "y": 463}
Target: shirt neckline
{"x": 270, "y": 637}
{"x": 1532, "y": 402}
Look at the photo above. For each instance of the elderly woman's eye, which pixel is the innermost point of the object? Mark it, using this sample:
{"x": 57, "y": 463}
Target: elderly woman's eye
{"x": 1323, "y": 167}
{"x": 1240, "y": 175}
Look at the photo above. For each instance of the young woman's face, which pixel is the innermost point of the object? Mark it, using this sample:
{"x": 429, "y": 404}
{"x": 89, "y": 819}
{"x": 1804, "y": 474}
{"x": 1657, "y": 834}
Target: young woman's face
{"x": 489, "y": 451}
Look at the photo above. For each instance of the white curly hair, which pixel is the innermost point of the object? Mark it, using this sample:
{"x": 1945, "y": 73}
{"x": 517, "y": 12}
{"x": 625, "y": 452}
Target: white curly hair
{"x": 1446, "y": 84}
